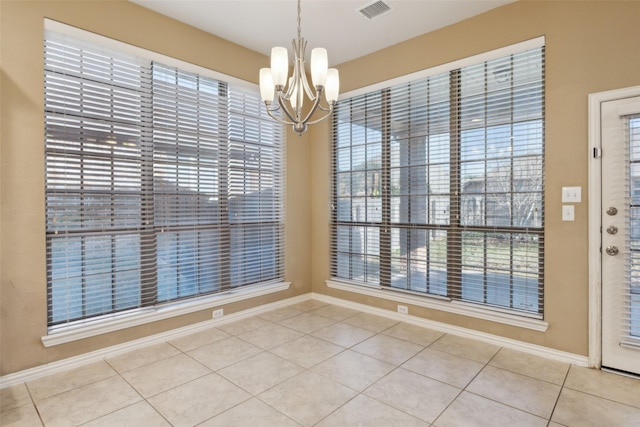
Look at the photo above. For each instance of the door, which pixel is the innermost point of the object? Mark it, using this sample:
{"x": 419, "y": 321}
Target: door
{"x": 620, "y": 195}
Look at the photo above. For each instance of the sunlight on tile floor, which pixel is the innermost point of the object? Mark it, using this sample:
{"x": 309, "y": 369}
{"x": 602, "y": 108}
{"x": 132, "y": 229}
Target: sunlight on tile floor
{"x": 315, "y": 364}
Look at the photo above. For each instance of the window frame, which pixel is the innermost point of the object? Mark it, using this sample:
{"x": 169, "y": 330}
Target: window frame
{"x": 449, "y": 302}
{"x": 149, "y": 311}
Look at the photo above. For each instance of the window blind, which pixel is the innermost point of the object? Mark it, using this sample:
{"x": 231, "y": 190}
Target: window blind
{"x": 438, "y": 185}
{"x": 141, "y": 188}
{"x": 630, "y": 304}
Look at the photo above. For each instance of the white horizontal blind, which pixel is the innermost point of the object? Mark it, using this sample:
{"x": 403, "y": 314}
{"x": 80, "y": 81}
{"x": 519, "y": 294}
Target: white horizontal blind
{"x": 189, "y": 193}
{"x": 256, "y": 191}
{"x": 138, "y": 183}
{"x": 94, "y": 195}
{"x": 438, "y": 184}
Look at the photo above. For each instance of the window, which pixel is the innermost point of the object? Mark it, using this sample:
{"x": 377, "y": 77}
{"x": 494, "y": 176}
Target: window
{"x": 438, "y": 185}
{"x": 161, "y": 184}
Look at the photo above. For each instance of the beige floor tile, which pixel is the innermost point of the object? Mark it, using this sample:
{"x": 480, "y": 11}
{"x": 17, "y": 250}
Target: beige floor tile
{"x": 309, "y": 305}
{"x": 533, "y": 366}
{"x": 366, "y": 412}
{"x": 198, "y": 339}
{"x": 388, "y": 349}
{"x": 335, "y": 312}
{"x": 68, "y": 380}
{"x": 280, "y": 314}
{"x": 413, "y": 333}
{"x": 343, "y": 334}
{"x": 584, "y": 410}
{"x": 552, "y": 424}
{"x": 445, "y": 367}
{"x": 307, "y": 351}
{"x": 307, "y": 322}
{"x": 198, "y": 400}
{"x": 528, "y": 394}
{"x": 470, "y": 410}
{"x": 252, "y": 413}
{"x": 414, "y": 394}
{"x": 355, "y": 370}
{"x": 308, "y": 397}
{"x": 143, "y": 356}
{"x": 270, "y": 336}
{"x": 164, "y": 374}
{"x": 138, "y": 414}
{"x": 223, "y": 353}
{"x": 466, "y": 347}
{"x": 14, "y": 397}
{"x": 260, "y": 372}
{"x": 605, "y": 384}
{"x": 244, "y": 325}
{"x": 22, "y": 416}
{"x": 87, "y": 403}
{"x": 371, "y": 322}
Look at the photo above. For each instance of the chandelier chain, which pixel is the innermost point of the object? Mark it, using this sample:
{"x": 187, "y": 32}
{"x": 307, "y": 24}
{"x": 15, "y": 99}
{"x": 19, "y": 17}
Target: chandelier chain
{"x": 299, "y": 21}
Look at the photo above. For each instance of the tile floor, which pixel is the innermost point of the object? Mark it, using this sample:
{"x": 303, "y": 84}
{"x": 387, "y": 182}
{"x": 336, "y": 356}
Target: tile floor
{"x": 314, "y": 364}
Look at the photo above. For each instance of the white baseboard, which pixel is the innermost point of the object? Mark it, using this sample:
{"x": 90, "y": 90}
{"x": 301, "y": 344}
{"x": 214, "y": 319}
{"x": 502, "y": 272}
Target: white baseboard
{"x": 98, "y": 355}
{"x": 525, "y": 347}
{"x": 105, "y": 353}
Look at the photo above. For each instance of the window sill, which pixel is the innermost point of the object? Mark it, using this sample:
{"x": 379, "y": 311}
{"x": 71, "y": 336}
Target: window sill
{"x": 91, "y": 328}
{"x": 443, "y": 304}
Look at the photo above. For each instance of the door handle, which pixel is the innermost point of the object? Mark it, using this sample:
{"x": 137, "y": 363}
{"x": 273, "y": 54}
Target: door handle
{"x": 612, "y": 250}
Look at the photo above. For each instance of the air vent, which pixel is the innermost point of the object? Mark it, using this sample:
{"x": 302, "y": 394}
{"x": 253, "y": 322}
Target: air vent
{"x": 375, "y": 9}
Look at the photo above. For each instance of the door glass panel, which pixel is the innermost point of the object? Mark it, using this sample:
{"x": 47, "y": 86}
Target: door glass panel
{"x": 633, "y": 134}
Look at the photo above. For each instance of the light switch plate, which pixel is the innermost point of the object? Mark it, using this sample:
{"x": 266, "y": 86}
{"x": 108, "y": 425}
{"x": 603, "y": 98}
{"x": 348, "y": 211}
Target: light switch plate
{"x": 568, "y": 213}
{"x": 571, "y": 194}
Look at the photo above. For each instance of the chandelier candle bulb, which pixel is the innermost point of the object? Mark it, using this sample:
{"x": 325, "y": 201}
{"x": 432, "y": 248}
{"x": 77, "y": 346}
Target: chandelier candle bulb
{"x": 319, "y": 66}
{"x": 267, "y": 87}
{"x": 332, "y": 87}
{"x": 279, "y": 66}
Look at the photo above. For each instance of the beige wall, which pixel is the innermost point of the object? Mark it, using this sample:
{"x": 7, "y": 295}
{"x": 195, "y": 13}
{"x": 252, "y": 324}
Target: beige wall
{"x": 22, "y": 226}
{"x": 591, "y": 46}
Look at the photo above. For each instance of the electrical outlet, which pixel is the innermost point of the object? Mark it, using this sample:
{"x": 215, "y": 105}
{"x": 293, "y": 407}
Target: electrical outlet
{"x": 218, "y": 313}
{"x": 403, "y": 309}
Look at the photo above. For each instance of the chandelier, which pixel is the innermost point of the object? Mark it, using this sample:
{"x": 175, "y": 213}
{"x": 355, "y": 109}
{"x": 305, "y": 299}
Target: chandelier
{"x": 290, "y": 94}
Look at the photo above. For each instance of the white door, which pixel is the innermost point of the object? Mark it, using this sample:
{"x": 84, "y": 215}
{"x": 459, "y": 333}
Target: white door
{"x": 620, "y": 127}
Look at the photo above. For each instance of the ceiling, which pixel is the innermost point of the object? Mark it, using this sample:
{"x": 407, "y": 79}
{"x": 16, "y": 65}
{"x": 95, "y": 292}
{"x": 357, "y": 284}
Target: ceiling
{"x": 333, "y": 24}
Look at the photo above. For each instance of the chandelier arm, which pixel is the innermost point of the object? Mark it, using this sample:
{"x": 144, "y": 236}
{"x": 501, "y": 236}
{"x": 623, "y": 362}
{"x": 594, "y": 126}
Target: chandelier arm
{"x": 276, "y": 118}
{"x": 329, "y": 108}
{"x": 286, "y": 110}
{"x": 318, "y": 120}
{"x": 314, "y": 107}
{"x": 307, "y": 88}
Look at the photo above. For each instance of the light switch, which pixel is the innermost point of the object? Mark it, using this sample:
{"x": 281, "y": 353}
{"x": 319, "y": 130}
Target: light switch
{"x": 568, "y": 213}
{"x": 571, "y": 194}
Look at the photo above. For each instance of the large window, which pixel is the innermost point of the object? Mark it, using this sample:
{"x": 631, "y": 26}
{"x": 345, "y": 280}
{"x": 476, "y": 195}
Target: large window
{"x": 161, "y": 184}
{"x": 438, "y": 185}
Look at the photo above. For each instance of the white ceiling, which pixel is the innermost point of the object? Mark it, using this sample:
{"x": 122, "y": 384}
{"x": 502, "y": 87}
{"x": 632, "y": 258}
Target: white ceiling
{"x": 333, "y": 24}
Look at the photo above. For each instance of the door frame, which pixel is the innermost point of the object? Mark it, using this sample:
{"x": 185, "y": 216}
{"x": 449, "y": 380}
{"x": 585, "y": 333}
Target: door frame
{"x": 595, "y": 220}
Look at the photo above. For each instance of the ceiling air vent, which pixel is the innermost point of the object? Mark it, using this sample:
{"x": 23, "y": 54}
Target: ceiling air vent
{"x": 375, "y": 9}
